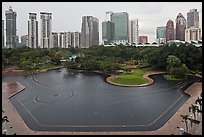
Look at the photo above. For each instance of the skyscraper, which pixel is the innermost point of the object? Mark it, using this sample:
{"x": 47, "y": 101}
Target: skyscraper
{"x": 2, "y": 33}
{"x": 193, "y": 32}
{"x": 32, "y": 31}
{"x": 46, "y": 29}
{"x": 89, "y": 31}
{"x": 107, "y": 32}
{"x": 10, "y": 28}
{"x": 161, "y": 34}
{"x": 193, "y": 19}
{"x": 169, "y": 30}
{"x": 180, "y": 27}
{"x": 133, "y": 31}
{"x": 120, "y": 27}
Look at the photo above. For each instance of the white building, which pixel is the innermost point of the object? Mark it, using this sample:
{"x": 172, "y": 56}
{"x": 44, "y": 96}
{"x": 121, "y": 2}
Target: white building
{"x": 32, "y": 31}
{"x": 76, "y": 40}
{"x": 61, "y": 40}
{"x": 46, "y": 29}
{"x": 133, "y": 31}
{"x": 68, "y": 39}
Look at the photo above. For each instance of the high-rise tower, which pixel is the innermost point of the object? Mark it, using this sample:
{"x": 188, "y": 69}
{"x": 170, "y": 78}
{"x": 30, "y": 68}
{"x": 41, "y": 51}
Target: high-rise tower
{"x": 46, "y": 29}
{"x": 11, "y": 28}
{"x": 193, "y": 32}
{"x": 120, "y": 27}
{"x": 89, "y": 31}
{"x": 193, "y": 19}
{"x": 32, "y": 31}
{"x": 180, "y": 27}
{"x": 133, "y": 31}
{"x": 169, "y": 30}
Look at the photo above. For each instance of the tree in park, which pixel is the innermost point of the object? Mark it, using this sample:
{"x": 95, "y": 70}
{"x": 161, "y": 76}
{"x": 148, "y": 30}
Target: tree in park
{"x": 175, "y": 67}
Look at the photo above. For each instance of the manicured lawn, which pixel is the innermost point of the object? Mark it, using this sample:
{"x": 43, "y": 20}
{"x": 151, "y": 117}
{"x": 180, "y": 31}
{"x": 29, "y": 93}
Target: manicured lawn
{"x": 170, "y": 77}
{"x": 134, "y": 78}
{"x": 129, "y": 67}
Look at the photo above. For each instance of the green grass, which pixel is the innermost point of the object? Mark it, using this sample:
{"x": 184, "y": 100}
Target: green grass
{"x": 129, "y": 67}
{"x": 134, "y": 78}
{"x": 48, "y": 66}
{"x": 170, "y": 77}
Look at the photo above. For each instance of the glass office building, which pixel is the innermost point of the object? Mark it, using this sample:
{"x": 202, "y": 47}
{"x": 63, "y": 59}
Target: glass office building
{"x": 120, "y": 27}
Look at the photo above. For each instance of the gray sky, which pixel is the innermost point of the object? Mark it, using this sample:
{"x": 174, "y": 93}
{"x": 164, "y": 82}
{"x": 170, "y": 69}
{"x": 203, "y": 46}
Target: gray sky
{"x": 67, "y": 15}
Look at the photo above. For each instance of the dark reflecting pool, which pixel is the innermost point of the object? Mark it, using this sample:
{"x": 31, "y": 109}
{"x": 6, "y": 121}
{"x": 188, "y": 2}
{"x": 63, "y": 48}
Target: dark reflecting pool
{"x": 73, "y": 101}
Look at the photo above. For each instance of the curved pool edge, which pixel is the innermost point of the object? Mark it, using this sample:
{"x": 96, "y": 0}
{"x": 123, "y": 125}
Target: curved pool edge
{"x": 146, "y": 75}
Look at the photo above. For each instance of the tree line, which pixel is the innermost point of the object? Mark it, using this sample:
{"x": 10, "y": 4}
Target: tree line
{"x": 105, "y": 58}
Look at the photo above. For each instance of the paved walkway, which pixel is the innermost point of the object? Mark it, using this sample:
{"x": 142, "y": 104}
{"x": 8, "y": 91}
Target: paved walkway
{"x": 20, "y": 128}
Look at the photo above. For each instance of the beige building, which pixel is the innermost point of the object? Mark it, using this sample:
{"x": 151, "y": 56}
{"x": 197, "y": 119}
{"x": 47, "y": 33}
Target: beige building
{"x": 192, "y": 34}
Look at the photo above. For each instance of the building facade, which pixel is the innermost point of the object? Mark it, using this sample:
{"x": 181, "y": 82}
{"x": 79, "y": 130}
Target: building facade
{"x": 120, "y": 27}
{"x": 68, "y": 39}
{"x": 107, "y": 32}
{"x": 193, "y": 19}
{"x": 76, "y": 40}
{"x": 133, "y": 31}
{"x": 24, "y": 40}
{"x": 170, "y": 30}
{"x": 32, "y": 31}
{"x": 46, "y": 29}
{"x": 10, "y": 28}
{"x": 89, "y": 31}
{"x": 2, "y": 33}
{"x": 143, "y": 39}
{"x": 62, "y": 39}
{"x": 193, "y": 34}
{"x": 180, "y": 27}
{"x": 54, "y": 39}
{"x": 161, "y": 34}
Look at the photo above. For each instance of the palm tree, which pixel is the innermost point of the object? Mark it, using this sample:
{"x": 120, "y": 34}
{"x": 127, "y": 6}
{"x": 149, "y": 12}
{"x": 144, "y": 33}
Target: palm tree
{"x": 193, "y": 108}
{"x": 185, "y": 118}
{"x": 191, "y": 120}
{"x": 199, "y": 101}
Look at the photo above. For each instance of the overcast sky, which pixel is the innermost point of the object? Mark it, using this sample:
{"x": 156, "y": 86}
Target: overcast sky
{"x": 66, "y": 16}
